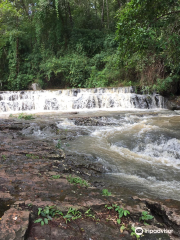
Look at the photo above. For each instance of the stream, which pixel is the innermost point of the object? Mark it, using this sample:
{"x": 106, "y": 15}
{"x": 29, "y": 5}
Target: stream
{"x": 133, "y": 136}
{"x": 140, "y": 150}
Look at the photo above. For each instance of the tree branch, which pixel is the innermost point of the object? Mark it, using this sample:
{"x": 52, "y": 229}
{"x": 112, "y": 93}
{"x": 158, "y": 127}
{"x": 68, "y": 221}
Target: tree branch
{"x": 168, "y": 14}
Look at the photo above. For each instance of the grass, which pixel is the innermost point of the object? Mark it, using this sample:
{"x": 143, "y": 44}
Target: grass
{"x": 77, "y": 180}
{"x": 23, "y": 116}
{"x": 32, "y": 156}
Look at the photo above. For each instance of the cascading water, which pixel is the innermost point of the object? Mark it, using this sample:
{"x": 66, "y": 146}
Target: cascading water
{"x": 68, "y": 100}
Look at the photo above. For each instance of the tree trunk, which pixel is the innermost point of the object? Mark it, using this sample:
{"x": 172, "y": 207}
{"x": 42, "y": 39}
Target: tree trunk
{"x": 107, "y": 13}
{"x": 17, "y": 51}
{"x": 70, "y": 16}
{"x": 102, "y": 14}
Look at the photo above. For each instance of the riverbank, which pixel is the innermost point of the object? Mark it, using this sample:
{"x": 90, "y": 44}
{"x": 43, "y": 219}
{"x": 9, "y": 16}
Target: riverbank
{"x": 34, "y": 174}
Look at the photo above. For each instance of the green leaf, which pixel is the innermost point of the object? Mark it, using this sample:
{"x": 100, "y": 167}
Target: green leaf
{"x": 126, "y": 212}
{"x": 38, "y": 220}
{"x": 49, "y": 217}
{"x": 39, "y": 210}
{"x": 118, "y": 221}
{"x": 46, "y": 220}
{"x": 43, "y": 214}
{"x": 122, "y": 228}
{"x": 120, "y": 214}
{"x": 68, "y": 216}
{"x": 42, "y": 223}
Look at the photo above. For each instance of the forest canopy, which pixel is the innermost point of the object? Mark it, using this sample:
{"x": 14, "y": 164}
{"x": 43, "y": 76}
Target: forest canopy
{"x": 84, "y": 43}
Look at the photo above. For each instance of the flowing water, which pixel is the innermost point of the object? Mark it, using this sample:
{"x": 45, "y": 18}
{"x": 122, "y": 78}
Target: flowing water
{"x": 140, "y": 151}
{"x": 72, "y": 99}
{"x": 138, "y": 141}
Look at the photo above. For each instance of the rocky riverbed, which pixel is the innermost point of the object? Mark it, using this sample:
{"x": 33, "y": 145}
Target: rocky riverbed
{"x": 35, "y": 173}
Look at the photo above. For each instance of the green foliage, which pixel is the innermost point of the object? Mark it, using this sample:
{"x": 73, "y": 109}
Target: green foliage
{"x": 164, "y": 85}
{"x": 58, "y": 144}
{"x": 47, "y": 213}
{"x": 89, "y": 214}
{"x": 72, "y": 214}
{"x": 3, "y": 157}
{"x": 121, "y": 212}
{"x": 53, "y": 43}
{"x": 148, "y": 39}
{"x": 105, "y": 192}
{"x": 133, "y": 233}
{"x": 32, "y": 156}
{"x": 145, "y": 216}
{"x": 56, "y": 176}
{"x": 61, "y": 44}
{"x": 122, "y": 228}
{"x": 77, "y": 180}
{"x": 26, "y": 117}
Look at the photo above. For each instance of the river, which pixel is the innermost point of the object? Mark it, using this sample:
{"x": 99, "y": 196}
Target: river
{"x": 138, "y": 147}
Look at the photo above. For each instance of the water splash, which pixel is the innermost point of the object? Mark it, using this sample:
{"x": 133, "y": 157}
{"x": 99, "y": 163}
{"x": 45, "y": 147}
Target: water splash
{"x": 71, "y": 99}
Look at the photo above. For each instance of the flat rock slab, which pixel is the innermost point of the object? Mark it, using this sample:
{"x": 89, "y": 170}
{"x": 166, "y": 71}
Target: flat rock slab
{"x": 14, "y": 224}
{"x": 33, "y": 173}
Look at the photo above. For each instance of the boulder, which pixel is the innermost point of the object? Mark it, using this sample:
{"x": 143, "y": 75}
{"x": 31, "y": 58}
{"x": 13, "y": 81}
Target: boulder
{"x": 14, "y": 224}
{"x": 34, "y": 86}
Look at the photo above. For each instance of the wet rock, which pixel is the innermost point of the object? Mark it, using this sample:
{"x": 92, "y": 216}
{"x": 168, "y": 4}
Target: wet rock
{"x": 168, "y": 216}
{"x": 59, "y": 155}
{"x": 5, "y": 196}
{"x": 27, "y": 173}
{"x": 173, "y": 104}
{"x": 87, "y": 121}
{"x": 14, "y": 225}
{"x": 34, "y": 87}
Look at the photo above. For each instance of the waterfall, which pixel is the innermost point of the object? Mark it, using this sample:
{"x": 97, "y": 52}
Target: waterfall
{"x": 81, "y": 98}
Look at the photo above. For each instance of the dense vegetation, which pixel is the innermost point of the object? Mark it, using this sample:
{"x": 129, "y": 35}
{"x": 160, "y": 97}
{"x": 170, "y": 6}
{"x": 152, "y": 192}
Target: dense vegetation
{"x": 84, "y": 43}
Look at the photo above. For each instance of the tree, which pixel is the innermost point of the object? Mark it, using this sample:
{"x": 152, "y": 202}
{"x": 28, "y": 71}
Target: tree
{"x": 148, "y": 32}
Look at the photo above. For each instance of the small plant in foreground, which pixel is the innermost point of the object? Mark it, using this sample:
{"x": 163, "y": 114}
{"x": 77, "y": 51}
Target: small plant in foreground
{"x": 56, "y": 176}
{"x": 32, "y": 156}
{"x": 145, "y": 216}
{"x": 72, "y": 214}
{"x": 77, "y": 180}
{"x": 58, "y": 144}
{"x": 3, "y": 157}
{"x": 26, "y": 117}
{"x": 122, "y": 212}
{"x": 122, "y": 228}
{"x": 47, "y": 213}
{"x": 88, "y": 214}
{"x": 133, "y": 233}
{"x": 105, "y": 192}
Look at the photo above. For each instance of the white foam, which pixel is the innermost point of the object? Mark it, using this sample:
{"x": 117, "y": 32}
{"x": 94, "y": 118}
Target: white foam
{"x": 65, "y": 123}
{"x": 167, "y": 189}
{"x": 70, "y": 99}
